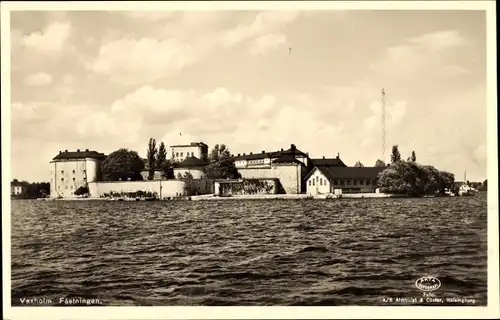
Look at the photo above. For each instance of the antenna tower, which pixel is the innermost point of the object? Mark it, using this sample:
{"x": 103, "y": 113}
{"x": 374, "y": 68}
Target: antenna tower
{"x": 383, "y": 125}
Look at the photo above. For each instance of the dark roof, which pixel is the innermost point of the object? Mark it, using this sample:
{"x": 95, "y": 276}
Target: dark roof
{"x": 328, "y": 162}
{"x": 274, "y": 154}
{"x": 192, "y": 144}
{"x": 287, "y": 159}
{"x": 349, "y": 172}
{"x": 16, "y": 184}
{"x": 192, "y": 162}
{"x": 79, "y": 155}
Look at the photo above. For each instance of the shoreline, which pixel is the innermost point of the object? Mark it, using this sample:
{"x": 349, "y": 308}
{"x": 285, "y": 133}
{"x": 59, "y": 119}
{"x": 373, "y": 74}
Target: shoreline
{"x": 213, "y": 197}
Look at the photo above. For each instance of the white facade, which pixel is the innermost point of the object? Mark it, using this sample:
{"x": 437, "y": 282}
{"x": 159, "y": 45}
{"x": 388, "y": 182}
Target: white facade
{"x": 67, "y": 175}
{"x": 318, "y": 183}
{"x": 263, "y": 162}
{"x": 179, "y": 153}
{"x": 16, "y": 190}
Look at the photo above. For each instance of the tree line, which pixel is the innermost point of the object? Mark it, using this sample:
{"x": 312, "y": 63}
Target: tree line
{"x": 411, "y": 178}
{"x": 32, "y": 190}
{"x": 124, "y": 164}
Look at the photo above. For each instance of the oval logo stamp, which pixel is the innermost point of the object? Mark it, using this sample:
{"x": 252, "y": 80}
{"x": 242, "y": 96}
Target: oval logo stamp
{"x": 428, "y": 284}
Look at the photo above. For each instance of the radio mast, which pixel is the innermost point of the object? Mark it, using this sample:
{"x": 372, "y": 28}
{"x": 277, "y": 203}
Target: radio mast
{"x": 383, "y": 125}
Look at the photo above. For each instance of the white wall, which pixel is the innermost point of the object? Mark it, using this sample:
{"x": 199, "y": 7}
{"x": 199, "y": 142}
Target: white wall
{"x": 288, "y": 175}
{"x": 317, "y": 183}
{"x": 164, "y": 188}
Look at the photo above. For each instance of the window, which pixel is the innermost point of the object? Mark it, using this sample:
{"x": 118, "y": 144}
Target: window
{"x": 349, "y": 182}
{"x": 342, "y": 182}
{"x": 84, "y": 171}
{"x": 355, "y": 182}
{"x": 177, "y": 153}
{"x": 181, "y": 154}
{"x": 73, "y": 171}
{"x": 62, "y": 179}
{"x": 62, "y": 171}
{"x": 317, "y": 178}
{"x": 320, "y": 181}
{"x": 310, "y": 183}
{"x": 85, "y": 179}
{"x": 367, "y": 182}
{"x": 313, "y": 182}
{"x": 335, "y": 182}
{"x": 192, "y": 154}
{"x": 361, "y": 182}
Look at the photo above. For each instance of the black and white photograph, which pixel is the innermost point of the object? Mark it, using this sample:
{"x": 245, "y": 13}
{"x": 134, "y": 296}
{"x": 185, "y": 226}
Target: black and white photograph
{"x": 249, "y": 154}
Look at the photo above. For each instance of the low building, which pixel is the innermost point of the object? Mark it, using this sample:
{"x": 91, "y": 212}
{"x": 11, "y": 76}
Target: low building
{"x": 16, "y": 188}
{"x": 191, "y": 165}
{"x": 288, "y": 166}
{"x": 179, "y": 153}
{"x": 70, "y": 170}
{"x": 324, "y": 180}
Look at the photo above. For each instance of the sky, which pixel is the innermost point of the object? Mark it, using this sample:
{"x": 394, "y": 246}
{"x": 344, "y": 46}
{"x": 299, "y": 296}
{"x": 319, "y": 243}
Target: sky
{"x": 253, "y": 80}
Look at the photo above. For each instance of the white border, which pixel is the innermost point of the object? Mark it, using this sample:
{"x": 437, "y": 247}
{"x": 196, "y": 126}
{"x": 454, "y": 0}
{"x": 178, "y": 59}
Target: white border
{"x": 493, "y": 309}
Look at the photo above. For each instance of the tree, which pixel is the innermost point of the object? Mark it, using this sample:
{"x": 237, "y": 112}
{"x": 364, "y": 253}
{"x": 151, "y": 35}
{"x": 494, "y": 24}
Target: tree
{"x": 219, "y": 151}
{"x": 395, "y": 156}
{"x": 358, "y": 164}
{"x": 161, "y": 156}
{"x": 81, "y": 191}
{"x": 151, "y": 155}
{"x": 413, "y": 156}
{"x": 379, "y": 163}
{"x": 122, "y": 164}
{"x": 221, "y": 164}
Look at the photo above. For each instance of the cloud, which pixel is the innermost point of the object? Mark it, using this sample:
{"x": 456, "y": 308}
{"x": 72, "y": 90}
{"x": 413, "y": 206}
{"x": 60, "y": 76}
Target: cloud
{"x": 38, "y": 79}
{"x": 143, "y": 60}
{"x": 425, "y": 53}
{"x": 50, "y": 40}
{"x": 267, "y": 43}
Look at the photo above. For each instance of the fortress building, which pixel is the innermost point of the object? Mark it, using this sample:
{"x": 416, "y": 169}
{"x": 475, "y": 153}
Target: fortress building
{"x": 70, "y": 170}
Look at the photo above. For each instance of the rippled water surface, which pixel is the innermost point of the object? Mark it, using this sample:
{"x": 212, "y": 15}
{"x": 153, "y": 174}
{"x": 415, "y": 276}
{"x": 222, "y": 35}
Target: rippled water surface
{"x": 288, "y": 252}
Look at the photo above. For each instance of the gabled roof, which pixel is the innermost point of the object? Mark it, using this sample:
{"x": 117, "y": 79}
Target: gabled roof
{"x": 287, "y": 159}
{"x": 16, "y": 184}
{"x": 67, "y": 155}
{"x": 328, "y": 162}
{"x": 190, "y": 162}
{"x": 275, "y": 154}
{"x": 348, "y": 172}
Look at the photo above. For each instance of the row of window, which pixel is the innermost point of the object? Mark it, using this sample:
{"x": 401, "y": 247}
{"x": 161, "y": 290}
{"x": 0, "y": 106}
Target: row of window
{"x": 62, "y": 179}
{"x": 84, "y": 171}
{"x": 339, "y": 182}
{"x": 182, "y": 154}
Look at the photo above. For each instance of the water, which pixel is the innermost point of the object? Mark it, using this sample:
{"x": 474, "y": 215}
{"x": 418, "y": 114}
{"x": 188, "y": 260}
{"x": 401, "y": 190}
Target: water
{"x": 288, "y": 252}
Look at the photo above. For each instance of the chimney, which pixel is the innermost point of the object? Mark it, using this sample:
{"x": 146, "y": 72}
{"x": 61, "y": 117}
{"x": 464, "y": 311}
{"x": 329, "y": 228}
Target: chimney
{"x": 243, "y": 153}
{"x": 87, "y": 150}
{"x": 238, "y": 154}
{"x": 77, "y": 150}
{"x": 251, "y": 153}
{"x": 263, "y": 151}
{"x": 338, "y": 155}
{"x": 60, "y": 151}
{"x": 281, "y": 149}
{"x": 323, "y": 157}
{"x": 66, "y": 150}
